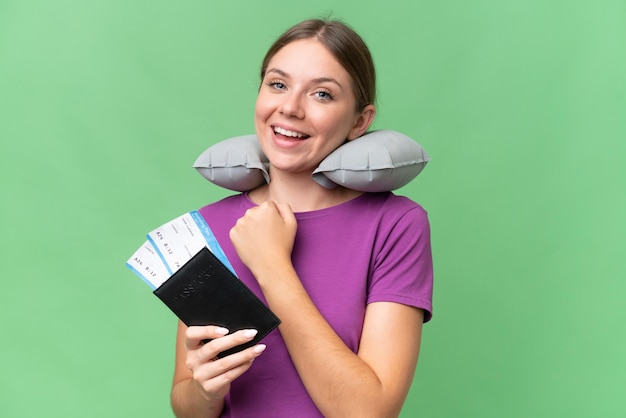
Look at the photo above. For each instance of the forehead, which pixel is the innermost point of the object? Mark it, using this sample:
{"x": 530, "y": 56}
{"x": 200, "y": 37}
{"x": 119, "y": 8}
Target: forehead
{"x": 308, "y": 58}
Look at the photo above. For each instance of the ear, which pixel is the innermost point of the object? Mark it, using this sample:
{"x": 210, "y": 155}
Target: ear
{"x": 363, "y": 121}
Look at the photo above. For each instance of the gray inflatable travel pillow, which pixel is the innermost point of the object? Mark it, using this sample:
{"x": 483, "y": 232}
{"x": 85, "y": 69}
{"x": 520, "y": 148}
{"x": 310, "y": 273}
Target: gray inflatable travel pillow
{"x": 378, "y": 161}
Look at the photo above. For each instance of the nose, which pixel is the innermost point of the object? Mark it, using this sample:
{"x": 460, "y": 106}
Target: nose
{"x": 292, "y": 106}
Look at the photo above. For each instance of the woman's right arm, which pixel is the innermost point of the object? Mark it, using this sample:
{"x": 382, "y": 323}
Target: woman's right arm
{"x": 201, "y": 380}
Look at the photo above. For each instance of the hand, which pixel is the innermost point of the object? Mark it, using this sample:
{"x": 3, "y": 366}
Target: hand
{"x": 214, "y": 374}
{"x": 264, "y": 235}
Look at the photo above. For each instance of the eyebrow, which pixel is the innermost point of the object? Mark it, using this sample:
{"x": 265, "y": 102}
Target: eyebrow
{"x": 315, "y": 80}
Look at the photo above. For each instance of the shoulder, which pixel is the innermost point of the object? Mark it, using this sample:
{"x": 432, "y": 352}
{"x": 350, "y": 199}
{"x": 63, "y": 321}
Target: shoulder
{"x": 229, "y": 203}
{"x": 395, "y": 207}
{"x": 225, "y": 211}
{"x": 386, "y": 215}
{"x": 388, "y": 200}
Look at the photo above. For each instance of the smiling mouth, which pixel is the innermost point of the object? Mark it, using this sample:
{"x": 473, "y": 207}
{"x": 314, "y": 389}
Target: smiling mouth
{"x": 289, "y": 134}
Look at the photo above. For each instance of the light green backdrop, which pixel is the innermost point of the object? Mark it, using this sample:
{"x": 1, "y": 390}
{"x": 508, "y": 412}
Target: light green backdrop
{"x": 104, "y": 105}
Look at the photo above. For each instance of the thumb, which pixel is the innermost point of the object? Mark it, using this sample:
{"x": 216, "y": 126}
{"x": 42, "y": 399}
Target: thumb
{"x": 285, "y": 212}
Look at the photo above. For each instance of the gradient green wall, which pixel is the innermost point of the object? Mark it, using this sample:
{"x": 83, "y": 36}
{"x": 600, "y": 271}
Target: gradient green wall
{"x": 104, "y": 106}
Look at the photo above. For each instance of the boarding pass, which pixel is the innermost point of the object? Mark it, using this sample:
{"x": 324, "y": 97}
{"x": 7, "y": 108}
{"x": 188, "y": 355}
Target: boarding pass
{"x": 168, "y": 247}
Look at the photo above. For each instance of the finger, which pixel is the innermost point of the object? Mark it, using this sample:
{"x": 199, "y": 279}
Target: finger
{"x": 201, "y": 354}
{"x": 270, "y": 208}
{"x": 216, "y": 346}
{"x": 285, "y": 212}
{"x": 195, "y": 335}
{"x": 228, "y": 368}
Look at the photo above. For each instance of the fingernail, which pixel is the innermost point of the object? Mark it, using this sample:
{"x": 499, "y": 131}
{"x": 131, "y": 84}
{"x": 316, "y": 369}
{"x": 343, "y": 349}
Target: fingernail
{"x": 221, "y": 330}
{"x": 259, "y": 348}
{"x": 250, "y": 333}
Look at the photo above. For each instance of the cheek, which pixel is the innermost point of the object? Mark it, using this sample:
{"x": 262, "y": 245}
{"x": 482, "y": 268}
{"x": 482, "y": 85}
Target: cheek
{"x": 259, "y": 109}
{"x": 264, "y": 108}
{"x": 337, "y": 123}
{"x": 262, "y": 113}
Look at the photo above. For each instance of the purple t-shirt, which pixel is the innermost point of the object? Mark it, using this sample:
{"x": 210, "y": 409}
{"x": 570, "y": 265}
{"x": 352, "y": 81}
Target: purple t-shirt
{"x": 373, "y": 248}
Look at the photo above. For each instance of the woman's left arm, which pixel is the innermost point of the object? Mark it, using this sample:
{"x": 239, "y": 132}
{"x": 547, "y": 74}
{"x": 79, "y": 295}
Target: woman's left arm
{"x": 371, "y": 383}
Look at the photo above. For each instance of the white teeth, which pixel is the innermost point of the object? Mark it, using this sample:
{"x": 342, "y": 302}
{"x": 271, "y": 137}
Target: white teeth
{"x": 285, "y": 132}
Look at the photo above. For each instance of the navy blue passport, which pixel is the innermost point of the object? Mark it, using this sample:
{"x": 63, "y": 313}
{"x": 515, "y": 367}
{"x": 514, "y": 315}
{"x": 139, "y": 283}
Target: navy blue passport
{"x": 205, "y": 292}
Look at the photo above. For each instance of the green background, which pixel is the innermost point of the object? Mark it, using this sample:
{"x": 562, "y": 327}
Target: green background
{"x": 104, "y": 106}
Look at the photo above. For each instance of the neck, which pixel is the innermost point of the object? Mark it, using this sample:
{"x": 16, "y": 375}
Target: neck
{"x": 302, "y": 194}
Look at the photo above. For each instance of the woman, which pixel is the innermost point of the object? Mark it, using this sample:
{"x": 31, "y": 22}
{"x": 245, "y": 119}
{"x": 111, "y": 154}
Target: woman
{"x": 348, "y": 273}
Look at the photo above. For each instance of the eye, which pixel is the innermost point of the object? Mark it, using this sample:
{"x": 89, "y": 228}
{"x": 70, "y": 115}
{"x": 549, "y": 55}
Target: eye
{"x": 323, "y": 95}
{"x": 276, "y": 85}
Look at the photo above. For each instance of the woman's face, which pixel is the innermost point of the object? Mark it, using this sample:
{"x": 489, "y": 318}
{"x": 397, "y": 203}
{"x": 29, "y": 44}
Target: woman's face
{"x": 306, "y": 107}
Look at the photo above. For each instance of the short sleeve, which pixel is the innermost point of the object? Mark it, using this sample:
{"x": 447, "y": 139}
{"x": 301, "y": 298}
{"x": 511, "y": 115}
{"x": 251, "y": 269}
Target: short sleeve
{"x": 403, "y": 267}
